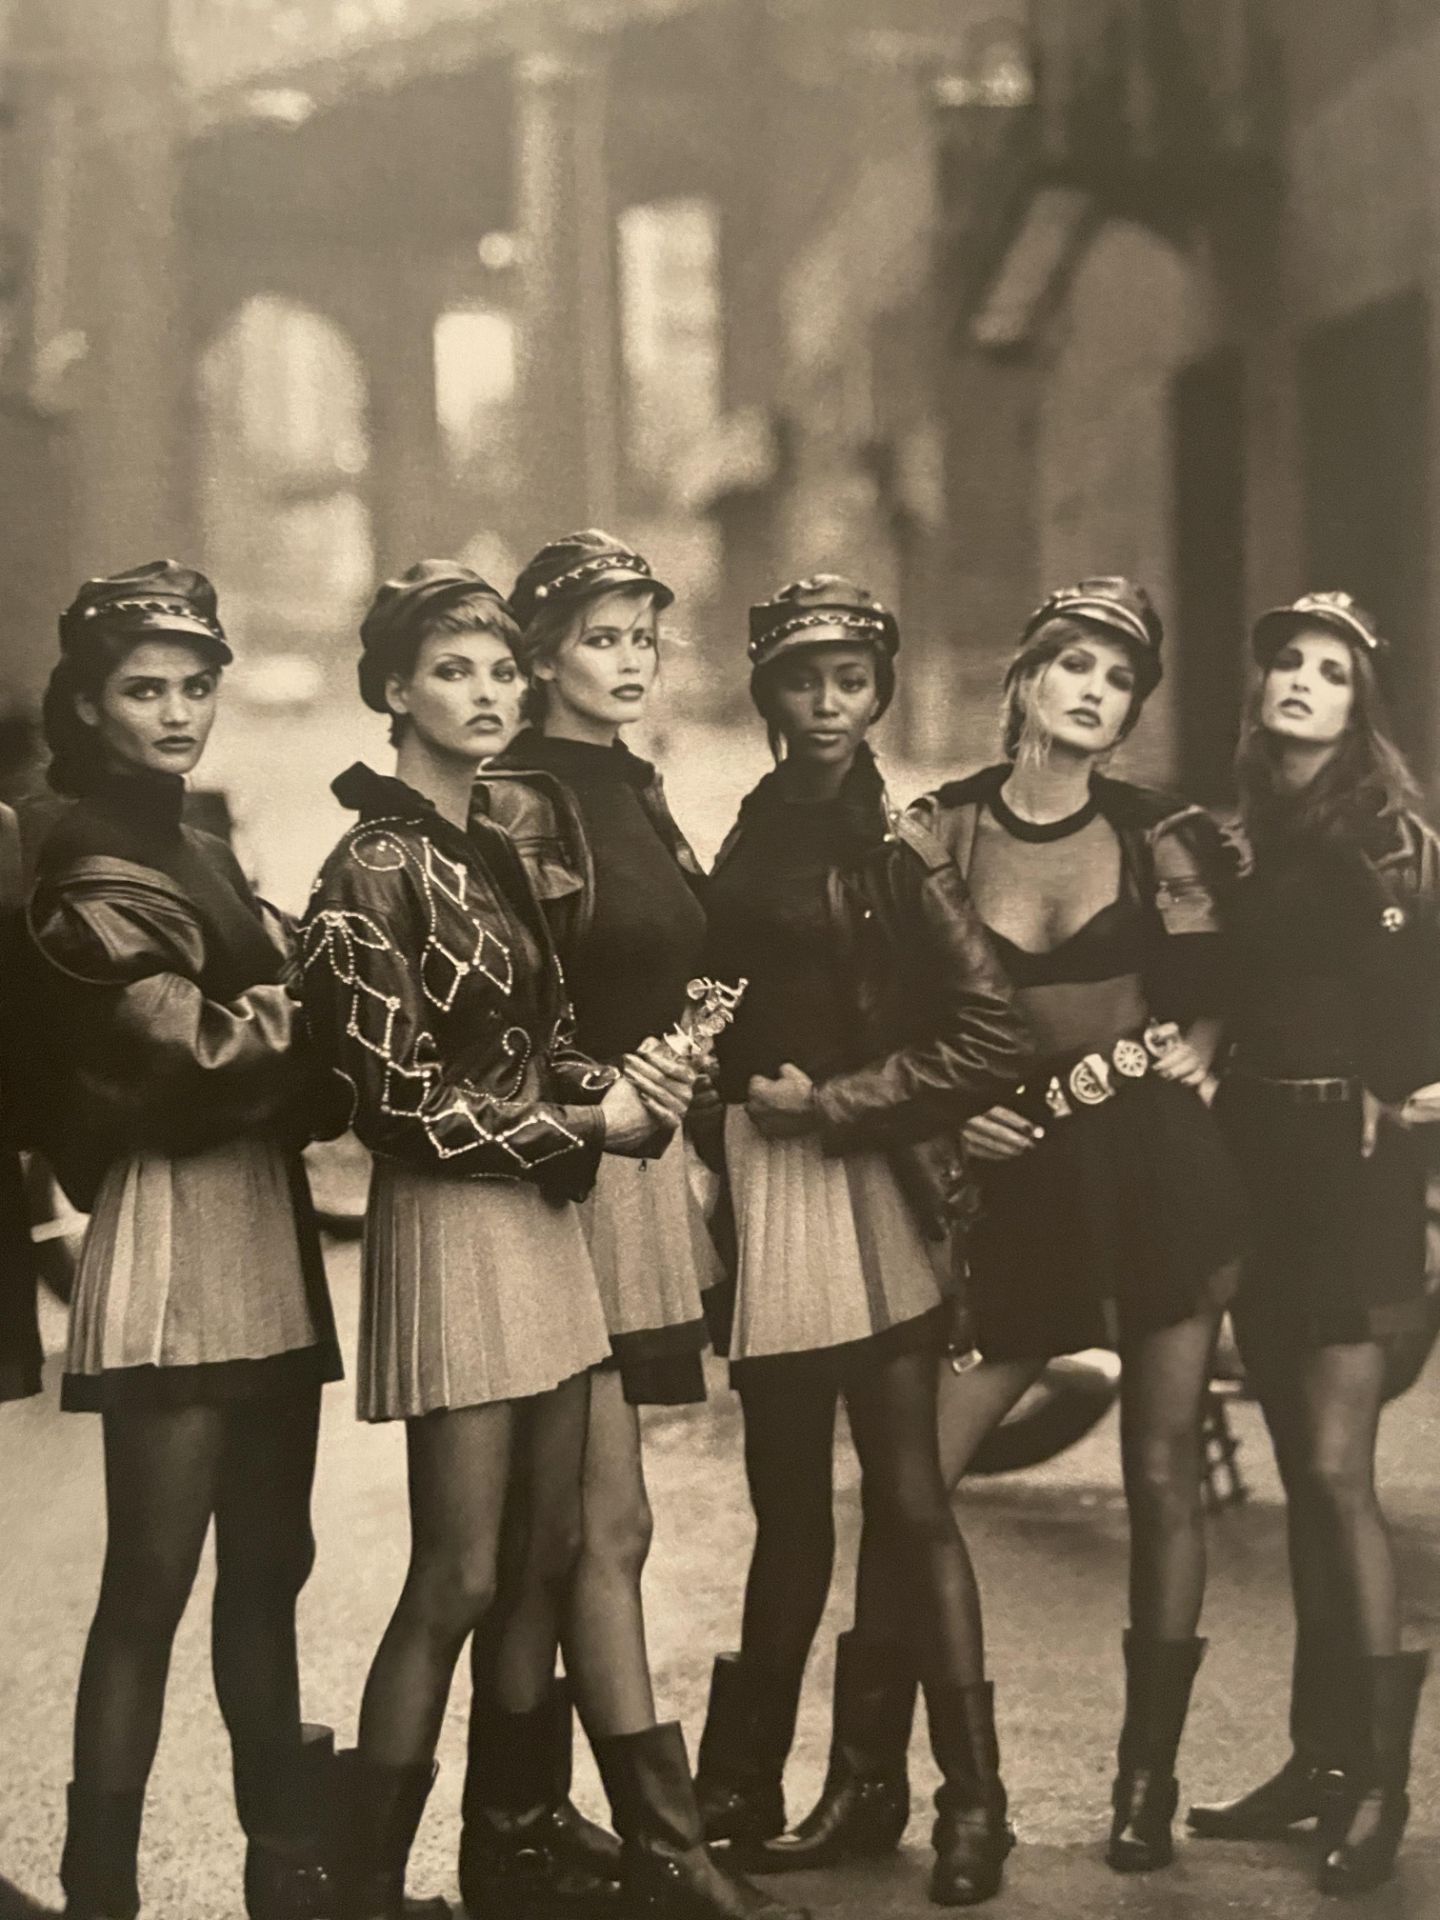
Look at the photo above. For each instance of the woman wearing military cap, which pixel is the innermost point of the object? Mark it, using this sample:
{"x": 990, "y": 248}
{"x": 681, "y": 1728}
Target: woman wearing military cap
{"x": 433, "y": 990}
{"x": 1335, "y": 1049}
{"x": 876, "y": 1022}
{"x": 1108, "y": 1212}
{"x": 623, "y": 893}
{"x": 176, "y": 1097}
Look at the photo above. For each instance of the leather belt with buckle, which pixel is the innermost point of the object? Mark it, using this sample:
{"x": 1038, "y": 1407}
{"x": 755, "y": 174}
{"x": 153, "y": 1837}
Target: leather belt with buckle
{"x": 1097, "y": 1077}
{"x": 1324, "y": 1090}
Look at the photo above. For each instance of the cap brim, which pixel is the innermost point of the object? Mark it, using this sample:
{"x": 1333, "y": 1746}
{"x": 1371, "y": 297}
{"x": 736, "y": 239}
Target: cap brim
{"x": 1273, "y": 629}
{"x": 612, "y": 582}
{"x": 184, "y": 629}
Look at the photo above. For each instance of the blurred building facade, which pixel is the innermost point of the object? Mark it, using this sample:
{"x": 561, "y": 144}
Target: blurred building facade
{"x": 964, "y": 296}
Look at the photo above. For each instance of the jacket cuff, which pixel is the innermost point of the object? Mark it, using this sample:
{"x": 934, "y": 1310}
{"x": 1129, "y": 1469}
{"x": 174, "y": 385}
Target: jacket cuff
{"x": 834, "y": 1127}
{"x": 590, "y": 1123}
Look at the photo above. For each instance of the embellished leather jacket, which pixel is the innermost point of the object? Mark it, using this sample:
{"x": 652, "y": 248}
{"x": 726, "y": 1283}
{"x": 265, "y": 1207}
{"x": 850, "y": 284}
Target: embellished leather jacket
{"x": 163, "y": 1011}
{"x": 433, "y": 991}
{"x": 20, "y": 1355}
{"x": 540, "y": 814}
{"x": 1182, "y": 862}
{"x": 935, "y": 1035}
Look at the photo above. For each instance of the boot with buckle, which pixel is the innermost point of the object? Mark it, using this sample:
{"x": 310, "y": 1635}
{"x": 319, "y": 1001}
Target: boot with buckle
{"x": 1367, "y": 1802}
{"x": 1159, "y": 1677}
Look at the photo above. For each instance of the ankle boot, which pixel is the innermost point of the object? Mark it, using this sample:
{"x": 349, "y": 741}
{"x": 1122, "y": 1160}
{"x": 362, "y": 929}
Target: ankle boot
{"x": 102, "y": 1846}
{"x": 1367, "y": 1805}
{"x": 524, "y": 1850}
{"x": 381, "y": 1810}
{"x": 1159, "y": 1675}
{"x": 864, "y": 1806}
{"x": 283, "y": 1797}
{"x": 1294, "y": 1794}
{"x": 748, "y": 1730}
{"x": 972, "y": 1836}
{"x": 667, "y": 1872}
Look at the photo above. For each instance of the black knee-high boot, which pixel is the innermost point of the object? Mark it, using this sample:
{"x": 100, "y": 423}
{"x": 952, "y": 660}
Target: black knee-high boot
{"x": 667, "y": 1872}
{"x": 381, "y": 1808}
{"x": 1159, "y": 1676}
{"x": 1367, "y": 1804}
{"x": 524, "y": 1849}
{"x": 1317, "y": 1742}
{"x": 284, "y": 1797}
{"x": 749, "y": 1727}
{"x": 972, "y": 1835}
{"x": 102, "y": 1847}
{"x": 864, "y": 1805}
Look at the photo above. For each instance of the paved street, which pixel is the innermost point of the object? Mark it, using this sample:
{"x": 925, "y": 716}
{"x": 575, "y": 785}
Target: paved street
{"x": 1050, "y": 1545}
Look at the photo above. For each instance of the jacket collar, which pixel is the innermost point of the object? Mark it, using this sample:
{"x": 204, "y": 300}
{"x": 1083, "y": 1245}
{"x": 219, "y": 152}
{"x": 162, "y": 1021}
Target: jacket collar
{"x": 359, "y": 789}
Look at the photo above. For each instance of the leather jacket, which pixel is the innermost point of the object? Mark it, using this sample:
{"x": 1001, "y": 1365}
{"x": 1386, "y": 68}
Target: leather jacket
{"x": 935, "y": 1035}
{"x": 1182, "y": 862}
{"x": 20, "y": 1354}
{"x": 432, "y": 989}
{"x": 540, "y": 814}
{"x": 161, "y": 1027}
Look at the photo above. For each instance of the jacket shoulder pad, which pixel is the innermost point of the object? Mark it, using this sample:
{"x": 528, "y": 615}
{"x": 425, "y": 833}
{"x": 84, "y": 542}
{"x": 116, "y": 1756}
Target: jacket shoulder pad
{"x": 109, "y": 922}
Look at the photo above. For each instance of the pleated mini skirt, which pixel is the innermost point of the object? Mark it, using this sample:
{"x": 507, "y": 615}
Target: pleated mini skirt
{"x": 199, "y": 1280}
{"x": 652, "y": 1252}
{"x": 830, "y": 1255}
{"x": 474, "y": 1291}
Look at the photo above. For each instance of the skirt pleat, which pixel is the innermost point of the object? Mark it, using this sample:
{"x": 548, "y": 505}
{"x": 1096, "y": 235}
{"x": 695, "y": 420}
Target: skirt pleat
{"x": 474, "y": 1292}
{"x": 651, "y": 1248}
{"x": 829, "y": 1250}
{"x": 191, "y": 1262}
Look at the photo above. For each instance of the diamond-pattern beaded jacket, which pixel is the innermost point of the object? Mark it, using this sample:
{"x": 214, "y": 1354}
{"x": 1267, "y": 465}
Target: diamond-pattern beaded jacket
{"x": 432, "y": 989}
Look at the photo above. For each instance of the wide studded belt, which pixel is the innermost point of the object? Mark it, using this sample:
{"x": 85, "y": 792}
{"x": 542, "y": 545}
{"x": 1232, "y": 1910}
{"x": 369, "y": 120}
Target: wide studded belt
{"x": 1090, "y": 1079}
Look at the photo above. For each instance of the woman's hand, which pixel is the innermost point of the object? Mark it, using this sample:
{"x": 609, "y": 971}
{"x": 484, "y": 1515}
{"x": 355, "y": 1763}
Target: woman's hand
{"x": 1186, "y": 1058}
{"x": 999, "y": 1134}
{"x": 665, "y": 1083}
{"x": 630, "y": 1127}
{"x": 1373, "y": 1110}
{"x": 782, "y": 1108}
{"x": 1422, "y": 1107}
{"x": 1182, "y": 1064}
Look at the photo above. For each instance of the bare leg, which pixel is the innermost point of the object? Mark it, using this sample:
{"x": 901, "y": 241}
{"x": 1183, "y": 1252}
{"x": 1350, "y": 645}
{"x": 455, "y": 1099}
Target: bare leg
{"x": 604, "y": 1635}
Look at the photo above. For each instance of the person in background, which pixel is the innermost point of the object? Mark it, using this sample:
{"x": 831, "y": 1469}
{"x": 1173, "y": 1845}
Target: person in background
{"x": 177, "y": 1095}
{"x": 876, "y": 1022}
{"x": 1107, "y": 1211}
{"x": 1333, "y": 1029}
{"x": 624, "y": 895}
{"x": 433, "y": 991}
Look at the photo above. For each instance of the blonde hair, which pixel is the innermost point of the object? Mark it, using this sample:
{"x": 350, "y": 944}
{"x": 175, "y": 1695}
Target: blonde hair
{"x": 540, "y": 642}
{"x": 1024, "y": 738}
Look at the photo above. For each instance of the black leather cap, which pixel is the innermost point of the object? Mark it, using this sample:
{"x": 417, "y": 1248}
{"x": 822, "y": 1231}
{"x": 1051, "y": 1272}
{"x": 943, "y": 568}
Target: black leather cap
{"x": 1337, "y": 612}
{"x": 160, "y": 596}
{"x": 389, "y": 628}
{"x": 577, "y": 567}
{"x": 1116, "y": 605}
{"x": 825, "y": 610}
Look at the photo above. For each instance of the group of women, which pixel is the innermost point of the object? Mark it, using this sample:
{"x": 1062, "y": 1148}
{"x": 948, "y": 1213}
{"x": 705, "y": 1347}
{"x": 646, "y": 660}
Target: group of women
{"x": 1044, "y": 1062}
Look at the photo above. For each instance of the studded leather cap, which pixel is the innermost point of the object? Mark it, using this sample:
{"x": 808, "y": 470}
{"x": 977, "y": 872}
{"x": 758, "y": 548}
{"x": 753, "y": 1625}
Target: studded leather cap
{"x": 564, "y": 572}
{"x": 1115, "y": 605}
{"x": 390, "y": 630}
{"x": 825, "y": 610}
{"x": 1337, "y": 612}
{"x": 160, "y": 596}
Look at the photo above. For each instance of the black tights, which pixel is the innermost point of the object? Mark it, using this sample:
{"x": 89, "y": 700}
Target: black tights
{"x": 167, "y": 1471}
{"x": 1163, "y": 1383}
{"x": 1322, "y": 1406}
{"x": 494, "y": 1504}
{"x": 789, "y": 1454}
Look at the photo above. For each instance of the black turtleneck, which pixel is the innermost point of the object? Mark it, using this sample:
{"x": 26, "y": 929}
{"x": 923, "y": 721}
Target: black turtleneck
{"x": 138, "y": 816}
{"x": 647, "y": 931}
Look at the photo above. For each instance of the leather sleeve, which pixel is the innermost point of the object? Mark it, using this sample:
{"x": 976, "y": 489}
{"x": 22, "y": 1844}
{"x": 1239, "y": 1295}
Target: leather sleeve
{"x": 155, "y": 1060}
{"x": 366, "y": 1005}
{"x": 977, "y": 1050}
{"x": 574, "y": 1075}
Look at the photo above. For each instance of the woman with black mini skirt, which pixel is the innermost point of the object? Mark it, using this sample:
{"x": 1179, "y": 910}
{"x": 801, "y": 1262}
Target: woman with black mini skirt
{"x": 875, "y": 1022}
{"x": 623, "y": 893}
{"x": 175, "y": 1099}
{"x": 1106, "y": 1208}
{"x": 1334, "y": 1027}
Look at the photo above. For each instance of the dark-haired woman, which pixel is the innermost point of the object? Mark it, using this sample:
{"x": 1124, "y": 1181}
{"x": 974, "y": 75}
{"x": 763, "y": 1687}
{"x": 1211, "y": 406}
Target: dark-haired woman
{"x": 876, "y": 1019}
{"x": 1109, "y": 1211}
{"x": 200, "y": 1329}
{"x": 622, "y": 891}
{"x": 432, "y": 986}
{"x": 1333, "y": 1031}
